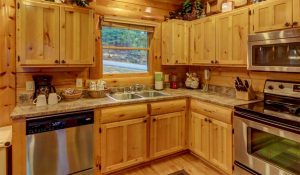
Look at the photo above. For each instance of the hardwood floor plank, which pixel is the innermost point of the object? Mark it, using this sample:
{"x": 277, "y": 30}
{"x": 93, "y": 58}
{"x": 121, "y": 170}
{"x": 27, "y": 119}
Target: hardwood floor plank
{"x": 188, "y": 162}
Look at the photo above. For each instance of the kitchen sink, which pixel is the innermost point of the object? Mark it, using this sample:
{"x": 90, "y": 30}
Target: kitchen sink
{"x": 151, "y": 94}
{"x": 124, "y": 96}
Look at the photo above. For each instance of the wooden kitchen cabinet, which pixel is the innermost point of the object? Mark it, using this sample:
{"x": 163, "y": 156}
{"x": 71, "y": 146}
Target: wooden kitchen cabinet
{"x": 38, "y": 33}
{"x": 77, "y": 36}
{"x": 203, "y": 41}
{"x": 232, "y": 37}
{"x": 274, "y": 15}
{"x": 220, "y": 141}
{"x": 199, "y": 138}
{"x": 123, "y": 144}
{"x": 211, "y": 134}
{"x": 50, "y": 35}
{"x": 296, "y": 13}
{"x": 175, "y": 42}
{"x": 167, "y": 134}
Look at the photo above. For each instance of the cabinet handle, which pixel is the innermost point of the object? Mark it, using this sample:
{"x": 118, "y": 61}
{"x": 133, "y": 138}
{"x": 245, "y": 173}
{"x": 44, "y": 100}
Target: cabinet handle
{"x": 176, "y": 61}
{"x": 295, "y": 23}
{"x": 206, "y": 110}
{"x": 56, "y": 61}
{"x": 216, "y": 62}
{"x": 209, "y": 121}
{"x": 205, "y": 119}
{"x": 287, "y": 24}
{"x": 63, "y": 61}
{"x": 212, "y": 62}
{"x": 154, "y": 120}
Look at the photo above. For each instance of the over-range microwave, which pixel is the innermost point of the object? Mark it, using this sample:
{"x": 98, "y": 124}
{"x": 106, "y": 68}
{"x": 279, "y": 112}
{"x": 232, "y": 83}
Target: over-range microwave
{"x": 275, "y": 51}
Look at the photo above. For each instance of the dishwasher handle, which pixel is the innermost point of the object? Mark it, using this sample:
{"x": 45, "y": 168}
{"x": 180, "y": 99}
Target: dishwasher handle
{"x": 57, "y": 122}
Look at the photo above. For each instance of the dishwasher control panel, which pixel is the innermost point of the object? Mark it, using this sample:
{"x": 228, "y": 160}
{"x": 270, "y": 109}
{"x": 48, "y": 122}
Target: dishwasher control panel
{"x": 57, "y": 122}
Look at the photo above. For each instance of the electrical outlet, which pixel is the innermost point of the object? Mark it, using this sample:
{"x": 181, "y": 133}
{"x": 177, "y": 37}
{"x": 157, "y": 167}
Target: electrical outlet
{"x": 79, "y": 83}
{"x": 29, "y": 85}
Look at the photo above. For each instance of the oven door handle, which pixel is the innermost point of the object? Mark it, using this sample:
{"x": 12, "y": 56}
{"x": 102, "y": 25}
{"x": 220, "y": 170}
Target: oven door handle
{"x": 246, "y": 168}
{"x": 252, "y": 117}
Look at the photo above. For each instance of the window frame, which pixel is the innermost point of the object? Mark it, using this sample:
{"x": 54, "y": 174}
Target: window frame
{"x": 135, "y": 74}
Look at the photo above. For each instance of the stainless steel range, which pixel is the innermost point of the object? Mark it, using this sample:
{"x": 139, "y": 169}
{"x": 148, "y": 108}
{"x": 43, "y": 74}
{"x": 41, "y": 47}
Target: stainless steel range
{"x": 267, "y": 133}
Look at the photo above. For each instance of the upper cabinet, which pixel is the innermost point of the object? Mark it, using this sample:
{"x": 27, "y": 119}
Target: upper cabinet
{"x": 232, "y": 37}
{"x": 175, "y": 42}
{"x": 203, "y": 41}
{"x": 296, "y": 13}
{"x": 76, "y": 36}
{"x": 273, "y": 15}
{"x": 54, "y": 35}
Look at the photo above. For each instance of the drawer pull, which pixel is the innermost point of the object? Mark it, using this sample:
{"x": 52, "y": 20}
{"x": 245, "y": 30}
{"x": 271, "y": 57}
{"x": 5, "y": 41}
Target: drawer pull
{"x": 206, "y": 110}
{"x": 206, "y": 120}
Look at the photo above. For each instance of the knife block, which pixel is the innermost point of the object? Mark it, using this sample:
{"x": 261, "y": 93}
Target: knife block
{"x": 245, "y": 95}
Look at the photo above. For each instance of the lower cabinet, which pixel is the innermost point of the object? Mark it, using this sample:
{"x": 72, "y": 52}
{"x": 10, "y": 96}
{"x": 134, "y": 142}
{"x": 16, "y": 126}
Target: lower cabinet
{"x": 210, "y": 138}
{"x": 167, "y": 133}
{"x": 123, "y": 144}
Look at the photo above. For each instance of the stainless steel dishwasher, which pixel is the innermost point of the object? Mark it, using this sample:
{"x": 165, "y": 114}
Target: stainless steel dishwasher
{"x": 60, "y": 144}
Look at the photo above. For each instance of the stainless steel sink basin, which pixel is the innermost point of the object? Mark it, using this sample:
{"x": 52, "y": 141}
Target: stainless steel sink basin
{"x": 151, "y": 94}
{"x": 124, "y": 96}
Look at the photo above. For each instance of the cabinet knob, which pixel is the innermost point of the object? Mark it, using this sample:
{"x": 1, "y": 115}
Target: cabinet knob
{"x": 216, "y": 62}
{"x": 154, "y": 120}
{"x": 212, "y": 62}
{"x": 287, "y": 24}
{"x": 295, "y": 23}
{"x": 176, "y": 61}
{"x": 56, "y": 61}
{"x": 209, "y": 121}
{"x": 145, "y": 121}
{"x": 205, "y": 120}
{"x": 63, "y": 61}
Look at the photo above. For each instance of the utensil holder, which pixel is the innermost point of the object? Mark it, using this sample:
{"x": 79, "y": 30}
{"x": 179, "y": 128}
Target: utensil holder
{"x": 245, "y": 95}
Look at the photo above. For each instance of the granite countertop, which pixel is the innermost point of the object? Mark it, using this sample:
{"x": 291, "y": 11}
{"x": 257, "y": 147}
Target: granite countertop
{"x": 28, "y": 111}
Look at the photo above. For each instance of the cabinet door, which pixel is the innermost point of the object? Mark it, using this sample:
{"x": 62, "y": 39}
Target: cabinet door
{"x": 273, "y": 15}
{"x": 167, "y": 133}
{"x": 77, "y": 36}
{"x": 180, "y": 42}
{"x": 38, "y": 33}
{"x": 199, "y": 135}
{"x": 166, "y": 44}
{"x": 232, "y": 37}
{"x": 220, "y": 141}
{"x": 123, "y": 144}
{"x": 296, "y": 13}
{"x": 175, "y": 42}
{"x": 203, "y": 41}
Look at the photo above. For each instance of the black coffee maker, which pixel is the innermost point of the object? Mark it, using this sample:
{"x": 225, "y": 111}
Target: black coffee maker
{"x": 43, "y": 85}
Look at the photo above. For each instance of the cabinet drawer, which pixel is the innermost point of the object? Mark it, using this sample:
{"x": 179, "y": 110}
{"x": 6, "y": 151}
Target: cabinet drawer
{"x": 167, "y": 107}
{"x": 211, "y": 110}
{"x": 114, "y": 114}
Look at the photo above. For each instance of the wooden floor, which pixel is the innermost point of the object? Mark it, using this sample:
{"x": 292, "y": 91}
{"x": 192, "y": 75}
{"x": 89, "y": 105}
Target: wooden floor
{"x": 188, "y": 162}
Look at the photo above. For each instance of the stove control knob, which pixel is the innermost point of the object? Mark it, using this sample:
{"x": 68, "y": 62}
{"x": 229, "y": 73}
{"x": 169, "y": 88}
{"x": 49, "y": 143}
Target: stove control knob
{"x": 270, "y": 87}
{"x": 281, "y": 86}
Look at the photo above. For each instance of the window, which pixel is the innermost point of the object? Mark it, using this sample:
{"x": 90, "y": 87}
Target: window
{"x": 124, "y": 50}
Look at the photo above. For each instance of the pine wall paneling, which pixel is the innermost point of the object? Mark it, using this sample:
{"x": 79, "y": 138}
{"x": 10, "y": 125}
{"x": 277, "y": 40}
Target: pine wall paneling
{"x": 7, "y": 60}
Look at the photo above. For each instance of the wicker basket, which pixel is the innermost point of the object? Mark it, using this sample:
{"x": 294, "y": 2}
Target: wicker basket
{"x": 98, "y": 93}
{"x": 75, "y": 96}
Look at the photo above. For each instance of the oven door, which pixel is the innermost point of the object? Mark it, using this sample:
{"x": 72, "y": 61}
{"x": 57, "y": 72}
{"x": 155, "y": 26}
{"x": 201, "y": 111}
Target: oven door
{"x": 275, "y": 55}
{"x": 265, "y": 150}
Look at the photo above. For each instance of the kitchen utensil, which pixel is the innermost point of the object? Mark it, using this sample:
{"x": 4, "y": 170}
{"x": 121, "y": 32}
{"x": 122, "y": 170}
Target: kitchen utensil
{"x": 53, "y": 99}
{"x": 247, "y": 84}
{"x": 98, "y": 93}
{"x": 41, "y": 100}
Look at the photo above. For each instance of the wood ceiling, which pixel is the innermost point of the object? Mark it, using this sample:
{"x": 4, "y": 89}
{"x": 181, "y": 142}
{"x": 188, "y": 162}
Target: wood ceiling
{"x": 141, "y": 9}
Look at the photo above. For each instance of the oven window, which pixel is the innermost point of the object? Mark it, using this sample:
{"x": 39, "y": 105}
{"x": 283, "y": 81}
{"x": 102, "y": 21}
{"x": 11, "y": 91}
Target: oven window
{"x": 277, "y": 150}
{"x": 276, "y": 55}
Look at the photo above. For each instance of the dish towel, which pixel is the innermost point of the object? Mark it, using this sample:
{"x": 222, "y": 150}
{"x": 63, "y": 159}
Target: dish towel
{"x": 5, "y": 136}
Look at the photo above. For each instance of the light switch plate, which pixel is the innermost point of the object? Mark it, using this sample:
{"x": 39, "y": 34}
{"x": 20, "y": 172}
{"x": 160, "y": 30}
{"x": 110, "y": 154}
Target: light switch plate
{"x": 29, "y": 85}
{"x": 79, "y": 83}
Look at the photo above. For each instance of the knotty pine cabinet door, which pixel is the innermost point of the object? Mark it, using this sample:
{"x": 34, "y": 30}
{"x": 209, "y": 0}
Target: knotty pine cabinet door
{"x": 273, "y": 15}
{"x": 167, "y": 134}
{"x": 220, "y": 141}
{"x": 199, "y": 135}
{"x": 77, "y": 44}
{"x": 175, "y": 42}
{"x": 232, "y": 37}
{"x": 123, "y": 144}
{"x": 203, "y": 41}
{"x": 296, "y": 13}
{"x": 37, "y": 33}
